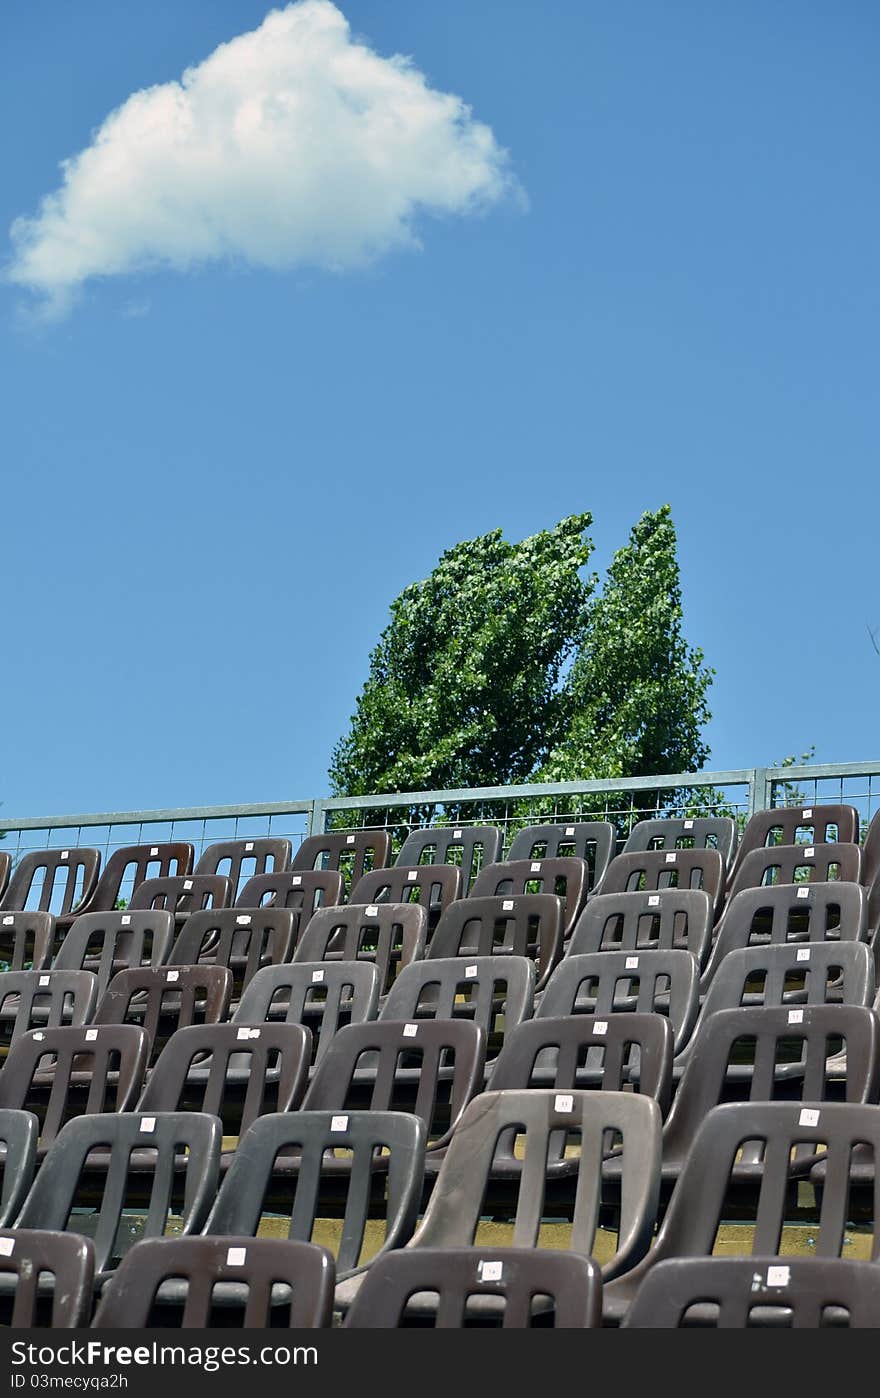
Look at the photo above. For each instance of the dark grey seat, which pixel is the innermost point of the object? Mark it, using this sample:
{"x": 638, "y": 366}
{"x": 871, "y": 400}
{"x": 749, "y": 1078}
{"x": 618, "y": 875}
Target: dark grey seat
{"x": 797, "y": 864}
{"x": 44, "y": 999}
{"x": 302, "y": 894}
{"x": 652, "y": 870}
{"x": 527, "y": 924}
{"x": 594, "y": 841}
{"x": 669, "y": 918}
{"x": 699, "y": 832}
{"x": 606, "y": 982}
{"x": 352, "y": 852}
{"x": 323, "y": 996}
{"x": 244, "y": 942}
{"x": 241, "y": 859}
{"x": 131, "y": 865}
{"x": 65, "y": 877}
{"x": 389, "y": 935}
{"x": 182, "y": 895}
{"x": 791, "y": 825}
{"x": 471, "y": 847}
{"x": 435, "y": 886}
{"x": 568, "y": 878}
{"x": 45, "y": 1279}
{"x": 871, "y": 853}
{"x": 19, "y": 1131}
{"x": 107, "y": 942}
{"x": 166, "y": 999}
{"x": 27, "y": 940}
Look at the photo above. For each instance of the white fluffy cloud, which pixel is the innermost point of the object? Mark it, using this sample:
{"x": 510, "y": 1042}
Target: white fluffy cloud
{"x": 291, "y": 145}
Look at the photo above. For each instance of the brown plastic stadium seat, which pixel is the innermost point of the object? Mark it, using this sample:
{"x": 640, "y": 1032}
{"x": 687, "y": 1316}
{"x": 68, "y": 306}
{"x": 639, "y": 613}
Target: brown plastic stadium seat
{"x": 871, "y": 853}
{"x": 302, "y": 894}
{"x": 791, "y": 825}
{"x": 243, "y": 940}
{"x": 593, "y": 841}
{"x": 323, "y": 996}
{"x": 352, "y": 852}
{"x": 26, "y": 940}
{"x": 390, "y": 935}
{"x": 116, "y": 941}
{"x": 18, "y": 1159}
{"x": 435, "y": 886}
{"x": 701, "y": 832}
{"x": 608, "y": 982}
{"x": 512, "y": 1288}
{"x": 66, "y": 877}
{"x": 528, "y": 924}
{"x": 260, "y": 1282}
{"x": 44, "y": 1000}
{"x": 471, "y": 847}
{"x": 45, "y": 1279}
{"x": 566, "y": 877}
{"x": 163, "y": 1000}
{"x": 797, "y": 864}
{"x": 182, "y": 895}
{"x": 652, "y": 870}
{"x": 666, "y": 919}
{"x": 5, "y": 869}
{"x": 240, "y": 860}
{"x": 131, "y": 865}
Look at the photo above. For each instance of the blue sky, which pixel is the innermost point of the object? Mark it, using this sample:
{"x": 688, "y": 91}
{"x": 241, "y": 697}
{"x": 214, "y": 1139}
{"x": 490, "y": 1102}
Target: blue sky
{"x": 217, "y": 478}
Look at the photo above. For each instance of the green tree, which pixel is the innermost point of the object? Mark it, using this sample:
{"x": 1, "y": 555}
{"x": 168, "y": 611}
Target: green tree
{"x": 464, "y": 684}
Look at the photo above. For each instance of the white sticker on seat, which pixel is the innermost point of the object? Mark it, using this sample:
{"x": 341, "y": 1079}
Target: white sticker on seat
{"x": 536, "y": 867}
{"x": 247, "y": 1033}
{"x": 249, "y": 844}
{"x": 457, "y": 834}
{"x": 187, "y": 883}
{"x": 506, "y": 906}
{"x": 600, "y": 1027}
{"x": 569, "y": 829}
{"x": 671, "y": 856}
{"x": 632, "y": 962}
{"x": 795, "y": 1016}
{"x": 350, "y": 839}
{"x": 317, "y": 976}
{"x": 39, "y": 1035}
{"x": 778, "y": 1276}
{"x": 412, "y": 875}
{"x": 148, "y": 1124}
{"x": 807, "y": 814}
{"x": 470, "y": 971}
{"x": 8, "y": 921}
{"x": 410, "y": 1031}
{"x": 689, "y": 825}
{"x": 808, "y": 1117}
{"x": 172, "y": 975}
{"x": 372, "y": 910}
{"x": 91, "y": 1034}
{"x": 803, "y": 954}
{"x": 125, "y": 920}
{"x": 236, "y": 1257}
{"x": 65, "y": 854}
{"x": 491, "y": 1271}
{"x": 564, "y": 1102}
{"x": 654, "y": 900}
{"x": 339, "y": 1123}
{"x": 44, "y": 980}
{"x": 7, "y": 1246}
{"x": 809, "y": 852}
{"x": 244, "y": 920}
{"x": 154, "y": 850}
{"x": 803, "y": 893}
{"x": 296, "y": 880}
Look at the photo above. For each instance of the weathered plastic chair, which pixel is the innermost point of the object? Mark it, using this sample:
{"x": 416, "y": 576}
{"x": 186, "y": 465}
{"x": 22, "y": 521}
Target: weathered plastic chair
{"x": 182, "y": 895}
{"x": 510, "y": 1288}
{"x": 435, "y": 886}
{"x": 871, "y": 853}
{"x": 790, "y": 912}
{"x": 607, "y": 982}
{"x": 26, "y": 940}
{"x": 671, "y": 918}
{"x": 62, "y": 1073}
{"x": 73, "y": 871}
{"x": 244, "y": 942}
{"x": 264, "y": 1282}
{"x": 116, "y": 941}
{"x": 166, "y": 999}
{"x": 352, "y": 852}
{"x": 798, "y": 1293}
{"x": 700, "y": 1198}
{"x": 45, "y": 1279}
{"x": 301, "y": 894}
{"x": 177, "y": 1156}
{"x": 701, "y": 832}
{"x": 529, "y": 924}
{"x": 566, "y": 877}
{"x": 232, "y": 1071}
{"x": 797, "y": 864}
{"x": 471, "y": 847}
{"x": 281, "y": 1165}
{"x": 44, "y": 999}
{"x": 538, "y": 1119}
{"x": 625, "y": 1051}
{"x": 19, "y": 1131}
{"x": 130, "y": 866}
{"x": 791, "y": 825}
{"x": 650, "y": 871}
{"x": 388, "y": 935}
{"x": 240, "y": 860}
{"x": 366, "y": 1065}
{"x": 5, "y": 869}
{"x": 594, "y": 841}
{"x": 323, "y": 996}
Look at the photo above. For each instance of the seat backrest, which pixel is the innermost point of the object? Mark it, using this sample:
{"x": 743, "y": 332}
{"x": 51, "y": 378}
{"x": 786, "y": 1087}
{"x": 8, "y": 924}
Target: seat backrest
{"x": 790, "y": 912}
{"x": 165, "y": 999}
{"x": 5, "y": 869}
{"x": 44, "y": 1000}
{"x": 382, "y": 1048}
{"x": 321, "y": 995}
{"x": 566, "y": 877}
{"x": 26, "y": 940}
{"x": 390, "y": 935}
{"x": 74, "y": 871}
{"x": 495, "y": 992}
{"x": 131, "y": 865}
{"x": 802, "y": 1039}
{"x": 623, "y": 1052}
{"x": 493, "y": 1283}
{"x": 302, "y": 894}
{"x": 650, "y": 870}
{"x": 352, "y": 852}
{"x": 62, "y": 1073}
{"x": 594, "y": 841}
{"x": 281, "y": 1163}
{"x": 812, "y": 973}
{"x": 29, "y": 1259}
{"x": 19, "y": 1131}
{"x": 182, "y": 895}
{"x": 200, "y": 1067}
{"x": 435, "y": 886}
{"x": 800, "y": 1293}
{"x": 669, "y": 918}
{"x": 177, "y": 1167}
{"x": 241, "y": 860}
{"x": 109, "y": 942}
{"x": 797, "y": 864}
{"x": 242, "y": 941}
{"x": 228, "y": 1277}
{"x": 583, "y": 1120}
{"x": 790, "y": 825}
{"x": 606, "y": 982}
{"x": 871, "y": 853}
{"x": 701, "y": 832}
{"x": 529, "y": 924}
{"x": 471, "y": 847}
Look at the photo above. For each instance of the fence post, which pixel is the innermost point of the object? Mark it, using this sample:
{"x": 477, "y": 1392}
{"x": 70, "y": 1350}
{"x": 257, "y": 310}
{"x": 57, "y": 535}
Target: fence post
{"x": 317, "y": 818}
{"x": 760, "y": 790}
